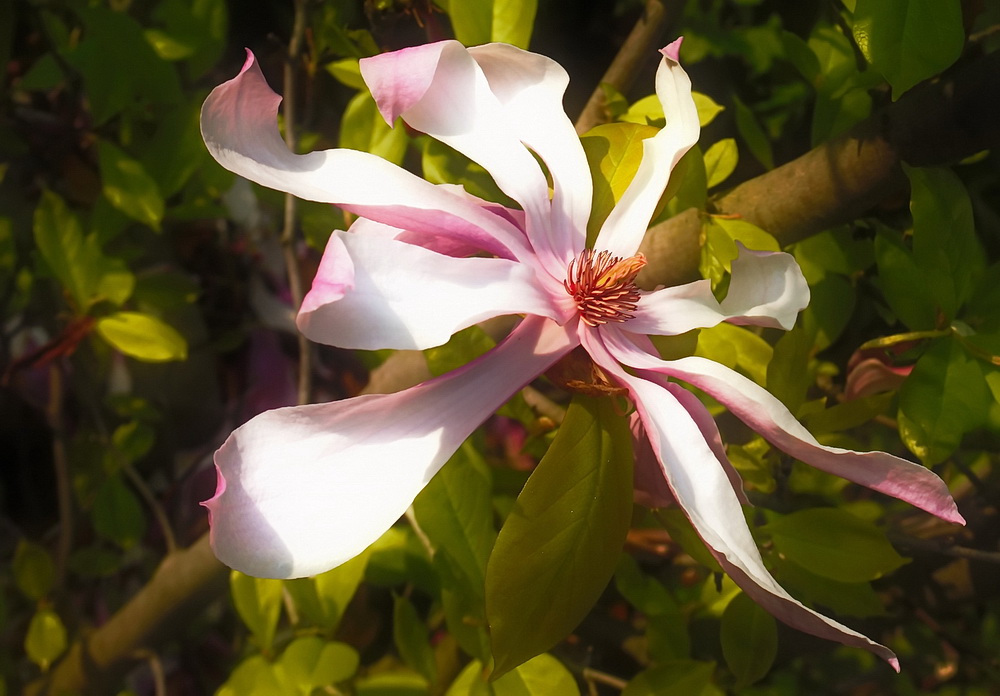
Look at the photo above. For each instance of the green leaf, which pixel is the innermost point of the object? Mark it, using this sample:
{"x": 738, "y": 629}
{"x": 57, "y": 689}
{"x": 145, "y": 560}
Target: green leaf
{"x": 258, "y": 602}
{"x": 363, "y": 128}
{"x": 472, "y": 22}
{"x": 737, "y": 348}
{"x": 255, "y": 676}
{"x": 347, "y": 71}
{"x": 945, "y": 247}
{"x": 847, "y": 598}
{"x": 120, "y": 69}
{"x": 848, "y": 414}
{"x": 788, "y": 375}
{"x": 409, "y": 633}
{"x": 46, "y": 638}
{"x": 513, "y": 21}
{"x": 560, "y": 544}
{"x": 832, "y": 300}
{"x": 675, "y": 678}
{"x": 667, "y": 630}
{"x": 310, "y": 663}
{"x": 909, "y": 41}
{"x": 614, "y": 152}
{"x": 749, "y": 637}
{"x": 142, "y": 336}
{"x": 128, "y": 187}
{"x": 324, "y": 597}
{"x": 834, "y": 544}
{"x": 720, "y": 161}
{"x": 34, "y": 571}
{"x": 682, "y": 531}
{"x": 117, "y": 513}
{"x": 543, "y": 675}
{"x": 443, "y": 165}
{"x": 944, "y": 397}
{"x": 176, "y": 150}
{"x": 752, "y": 133}
{"x": 59, "y": 237}
{"x": 707, "y": 108}
{"x": 904, "y": 284}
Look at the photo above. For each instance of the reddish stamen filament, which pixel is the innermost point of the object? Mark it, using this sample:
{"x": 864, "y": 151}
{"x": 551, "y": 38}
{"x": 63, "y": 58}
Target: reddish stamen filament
{"x": 603, "y": 286}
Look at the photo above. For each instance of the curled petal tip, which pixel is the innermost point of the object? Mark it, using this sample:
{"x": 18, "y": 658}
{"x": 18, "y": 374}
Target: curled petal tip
{"x": 673, "y": 50}
{"x": 249, "y": 60}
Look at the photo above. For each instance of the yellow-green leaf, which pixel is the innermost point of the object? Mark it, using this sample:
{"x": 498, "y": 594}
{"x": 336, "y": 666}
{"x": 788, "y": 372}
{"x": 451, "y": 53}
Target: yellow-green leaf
{"x": 142, "y": 336}
{"x": 46, "y": 639}
{"x": 720, "y": 161}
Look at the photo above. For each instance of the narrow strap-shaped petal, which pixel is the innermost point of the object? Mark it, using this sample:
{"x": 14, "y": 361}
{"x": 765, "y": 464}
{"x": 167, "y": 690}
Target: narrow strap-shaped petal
{"x": 440, "y": 90}
{"x": 707, "y": 497}
{"x": 303, "y": 489}
{"x": 239, "y": 126}
{"x": 756, "y": 407}
{"x": 530, "y": 89}
{"x": 623, "y": 230}
{"x": 372, "y": 292}
{"x": 767, "y": 289}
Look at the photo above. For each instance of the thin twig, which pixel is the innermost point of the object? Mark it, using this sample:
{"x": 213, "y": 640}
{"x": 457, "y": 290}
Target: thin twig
{"x": 155, "y": 668}
{"x": 288, "y": 237}
{"x": 592, "y": 675}
{"x": 60, "y": 462}
{"x": 154, "y": 505}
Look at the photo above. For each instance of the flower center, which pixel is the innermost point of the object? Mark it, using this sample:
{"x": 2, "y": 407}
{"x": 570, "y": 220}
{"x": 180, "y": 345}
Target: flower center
{"x": 603, "y": 286}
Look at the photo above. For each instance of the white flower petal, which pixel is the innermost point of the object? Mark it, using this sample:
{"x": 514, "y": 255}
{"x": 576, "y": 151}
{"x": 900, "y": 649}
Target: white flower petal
{"x": 756, "y": 407}
{"x": 767, "y": 289}
{"x": 439, "y": 89}
{"x": 626, "y": 225}
{"x": 707, "y": 497}
{"x": 239, "y": 126}
{"x": 373, "y": 292}
{"x": 303, "y": 489}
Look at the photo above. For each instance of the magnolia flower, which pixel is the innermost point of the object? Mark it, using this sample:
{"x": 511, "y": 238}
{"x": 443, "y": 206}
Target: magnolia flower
{"x": 303, "y": 489}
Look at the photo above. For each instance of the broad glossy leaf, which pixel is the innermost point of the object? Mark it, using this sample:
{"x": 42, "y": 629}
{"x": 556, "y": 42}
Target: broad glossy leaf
{"x": 409, "y": 633}
{"x": 560, "y": 544}
{"x": 46, "y": 638}
{"x": 945, "y": 246}
{"x": 513, "y": 21}
{"x": 749, "y": 637}
{"x": 198, "y": 25}
{"x": 944, "y": 397}
{"x": 176, "y": 150}
{"x": 848, "y": 414}
{"x": 59, "y": 237}
{"x": 753, "y": 134}
{"x": 847, "y": 598}
{"x": 399, "y": 682}
{"x": 708, "y": 109}
{"x": 687, "y": 188}
{"x": 34, "y": 571}
{"x": 347, "y": 71}
{"x": 543, "y": 675}
{"x": 720, "y": 161}
{"x": 310, "y": 663}
{"x": 142, "y": 336}
{"x": 363, "y": 128}
{"x": 738, "y": 348}
{"x": 117, "y": 513}
{"x": 255, "y": 676}
{"x": 788, "y": 375}
{"x": 831, "y": 305}
{"x": 904, "y": 284}
{"x": 834, "y": 544}
{"x": 909, "y": 41}
{"x": 471, "y": 21}
{"x": 258, "y": 602}
{"x": 614, "y": 152}
{"x": 324, "y": 597}
{"x": 128, "y": 187}
{"x": 675, "y": 678}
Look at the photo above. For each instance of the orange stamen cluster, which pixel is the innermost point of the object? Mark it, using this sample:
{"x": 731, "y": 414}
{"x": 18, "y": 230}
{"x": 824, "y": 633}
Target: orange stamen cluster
{"x": 603, "y": 286}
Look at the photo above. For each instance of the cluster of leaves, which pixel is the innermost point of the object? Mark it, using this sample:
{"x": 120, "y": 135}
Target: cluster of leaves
{"x": 145, "y": 313}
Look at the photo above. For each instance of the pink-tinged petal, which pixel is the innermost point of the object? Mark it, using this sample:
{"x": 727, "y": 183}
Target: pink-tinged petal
{"x": 756, "y": 407}
{"x": 767, "y": 289}
{"x": 624, "y": 229}
{"x": 458, "y": 108}
{"x": 650, "y": 488}
{"x": 372, "y": 292}
{"x": 530, "y": 88}
{"x": 239, "y": 126}
{"x": 873, "y": 376}
{"x": 707, "y": 497}
{"x": 303, "y": 489}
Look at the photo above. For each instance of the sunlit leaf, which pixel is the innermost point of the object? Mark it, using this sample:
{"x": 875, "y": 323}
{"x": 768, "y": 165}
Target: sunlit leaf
{"x": 363, "y": 128}
{"x": 258, "y": 602}
{"x": 128, "y": 187}
{"x": 513, "y": 21}
{"x": 46, "y": 638}
{"x": 142, "y": 336}
{"x": 542, "y": 676}
{"x": 324, "y": 597}
{"x": 310, "y": 663}
{"x": 720, "y": 161}
{"x": 560, "y": 544}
